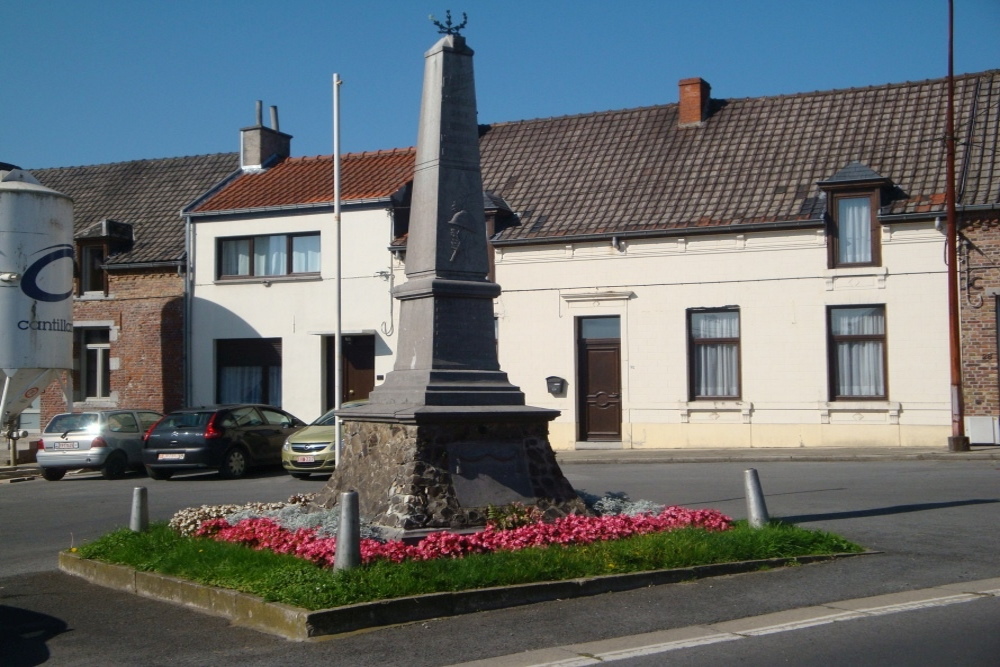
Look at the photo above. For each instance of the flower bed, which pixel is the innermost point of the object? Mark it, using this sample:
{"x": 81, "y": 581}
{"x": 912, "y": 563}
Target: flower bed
{"x": 266, "y": 533}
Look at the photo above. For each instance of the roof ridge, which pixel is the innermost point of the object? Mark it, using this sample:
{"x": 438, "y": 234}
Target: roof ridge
{"x": 155, "y": 159}
{"x": 354, "y": 155}
{"x": 815, "y": 93}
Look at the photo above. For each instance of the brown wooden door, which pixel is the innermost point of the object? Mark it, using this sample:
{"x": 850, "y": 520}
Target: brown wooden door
{"x": 599, "y": 385}
{"x": 358, "y": 368}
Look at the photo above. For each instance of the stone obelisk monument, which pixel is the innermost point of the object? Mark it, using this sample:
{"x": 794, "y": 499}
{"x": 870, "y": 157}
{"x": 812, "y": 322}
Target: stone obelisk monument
{"x": 447, "y": 435}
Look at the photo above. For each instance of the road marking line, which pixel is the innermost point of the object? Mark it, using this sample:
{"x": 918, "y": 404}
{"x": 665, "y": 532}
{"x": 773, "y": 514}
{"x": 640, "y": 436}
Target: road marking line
{"x": 920, "y": 604}
{"x": 800, "y": 625}
{"x": 587, "y": 659}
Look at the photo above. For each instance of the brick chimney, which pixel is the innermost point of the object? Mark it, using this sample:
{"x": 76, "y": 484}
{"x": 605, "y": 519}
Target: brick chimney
{"x": 262, "y": 147}
{"x": 694, "y": 97}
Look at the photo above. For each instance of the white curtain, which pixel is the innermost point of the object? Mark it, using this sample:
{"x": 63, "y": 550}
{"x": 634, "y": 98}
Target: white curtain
{"x": 236, "y": 258}
{"x": 860, "y": 363}
{"x": 716, "y": 364}
{"x": 274, "y": 385}
{"x": 241, "y": 384}
{"x": 269, "y": 255}
{"x": 305, "y": 254}
{"x": 854, "y": 230}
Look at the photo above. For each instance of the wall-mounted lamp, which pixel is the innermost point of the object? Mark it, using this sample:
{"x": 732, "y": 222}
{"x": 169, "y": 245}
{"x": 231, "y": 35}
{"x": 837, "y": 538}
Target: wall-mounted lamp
{"x": 938, "y": 224}
{"x": 555, "y": 384}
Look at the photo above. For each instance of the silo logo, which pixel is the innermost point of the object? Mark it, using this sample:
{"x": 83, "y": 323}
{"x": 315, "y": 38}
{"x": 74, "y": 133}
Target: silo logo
{"x": 29, "y": 282}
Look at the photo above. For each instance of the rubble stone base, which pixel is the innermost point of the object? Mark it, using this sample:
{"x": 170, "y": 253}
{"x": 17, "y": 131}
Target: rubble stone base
{"x": 417, "y": 477}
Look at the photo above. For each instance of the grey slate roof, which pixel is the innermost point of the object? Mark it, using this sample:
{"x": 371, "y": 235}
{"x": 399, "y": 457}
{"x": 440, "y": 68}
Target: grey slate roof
{"x": 752, "y": 161}
{"x": 148, "y": 194}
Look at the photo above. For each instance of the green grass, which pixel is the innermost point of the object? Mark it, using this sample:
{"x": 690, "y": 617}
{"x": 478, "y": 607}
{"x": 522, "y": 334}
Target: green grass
{"x": 280, "y": 578}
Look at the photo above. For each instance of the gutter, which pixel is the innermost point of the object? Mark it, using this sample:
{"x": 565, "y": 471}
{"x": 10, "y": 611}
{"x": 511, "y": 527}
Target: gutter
{"x": 687, "y": 231}
{"x": 287, "y": 207}
{"x": 144, "y": 265}
{"x": 963, "y": 208}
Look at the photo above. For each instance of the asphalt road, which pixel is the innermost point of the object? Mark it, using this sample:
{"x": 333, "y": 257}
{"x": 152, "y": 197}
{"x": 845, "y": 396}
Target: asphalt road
{"x": 935, "y": 522}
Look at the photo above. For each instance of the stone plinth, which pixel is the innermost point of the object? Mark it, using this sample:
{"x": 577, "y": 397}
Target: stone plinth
{"x": 445, "y": 474}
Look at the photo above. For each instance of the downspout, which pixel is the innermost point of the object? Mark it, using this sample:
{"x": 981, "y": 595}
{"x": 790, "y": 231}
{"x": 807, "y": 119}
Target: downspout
{"x": 188, "y": 307}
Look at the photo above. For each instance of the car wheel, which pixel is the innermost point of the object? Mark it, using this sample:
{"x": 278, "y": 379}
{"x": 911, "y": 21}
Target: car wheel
{"x": 159, "y": 473}
{"x": 300, "y": 475}
{"x": 234, "y": 464}
{"x": 53, "y": 474}
{"x": 115, "y": 466}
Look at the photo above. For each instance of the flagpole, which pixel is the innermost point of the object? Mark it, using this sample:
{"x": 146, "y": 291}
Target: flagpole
{"x": 337, "y": 343}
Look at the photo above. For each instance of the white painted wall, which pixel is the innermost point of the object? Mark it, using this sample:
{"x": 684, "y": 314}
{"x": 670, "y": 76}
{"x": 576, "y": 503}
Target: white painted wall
{"x": 780, "y": 282}
{"x": 297, "y": 310}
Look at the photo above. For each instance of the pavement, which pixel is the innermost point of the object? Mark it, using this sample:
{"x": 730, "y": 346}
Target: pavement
{"x": 30, "y": 471}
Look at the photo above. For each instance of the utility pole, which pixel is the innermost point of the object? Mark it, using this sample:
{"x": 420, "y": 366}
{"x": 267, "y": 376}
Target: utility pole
{"x": 958, "y": 442}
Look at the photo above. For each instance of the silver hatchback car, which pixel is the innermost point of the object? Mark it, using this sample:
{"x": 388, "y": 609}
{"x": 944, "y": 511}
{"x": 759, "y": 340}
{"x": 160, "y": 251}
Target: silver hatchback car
{"x": 105, "y": 440}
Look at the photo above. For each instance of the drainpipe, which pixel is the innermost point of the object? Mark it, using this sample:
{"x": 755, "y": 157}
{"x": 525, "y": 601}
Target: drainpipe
{"x": 188, "y": 307}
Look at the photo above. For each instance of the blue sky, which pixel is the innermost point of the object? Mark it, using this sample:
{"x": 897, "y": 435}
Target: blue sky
{"x": 90, "y": 82}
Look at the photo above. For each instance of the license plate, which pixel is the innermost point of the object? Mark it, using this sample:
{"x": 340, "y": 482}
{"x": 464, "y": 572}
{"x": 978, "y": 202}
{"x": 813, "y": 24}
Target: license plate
{"x": 170, "y": 457}
{"x": 305, "y": 459}
{"x": 67, "y": 445}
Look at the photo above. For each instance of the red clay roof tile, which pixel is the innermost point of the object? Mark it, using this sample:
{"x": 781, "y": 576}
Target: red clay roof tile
{"x": 309, "y": 180}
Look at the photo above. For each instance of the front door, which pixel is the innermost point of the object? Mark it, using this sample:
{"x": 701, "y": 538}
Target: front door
{"x": 358, "y": 368}
{"x": 599, "y": 378}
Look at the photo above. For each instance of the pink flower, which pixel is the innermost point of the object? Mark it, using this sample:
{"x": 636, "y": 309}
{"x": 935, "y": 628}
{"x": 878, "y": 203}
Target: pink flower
{"x": 264, "y": 533}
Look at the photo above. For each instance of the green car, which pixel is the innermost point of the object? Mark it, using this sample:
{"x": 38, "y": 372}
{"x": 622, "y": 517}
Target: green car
{"x": 311, "y": 450}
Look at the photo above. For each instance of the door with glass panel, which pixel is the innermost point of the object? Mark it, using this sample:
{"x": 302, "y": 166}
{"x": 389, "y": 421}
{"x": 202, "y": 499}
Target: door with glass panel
{"x": 599, "y": 386}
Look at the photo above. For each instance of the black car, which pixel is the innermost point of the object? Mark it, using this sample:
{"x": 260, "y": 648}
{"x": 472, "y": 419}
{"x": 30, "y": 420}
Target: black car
{"x": 229, "y": 438}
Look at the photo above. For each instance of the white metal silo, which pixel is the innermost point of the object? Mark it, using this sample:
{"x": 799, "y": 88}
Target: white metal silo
{"x": 36, "y": 288}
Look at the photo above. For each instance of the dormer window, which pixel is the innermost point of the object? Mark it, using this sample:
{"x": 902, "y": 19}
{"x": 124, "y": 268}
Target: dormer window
{"x": 94, "y": 246}
{"x": 93, "y": 277}
{"x": 854, "y": 195}
{"x": 854, "y": 230}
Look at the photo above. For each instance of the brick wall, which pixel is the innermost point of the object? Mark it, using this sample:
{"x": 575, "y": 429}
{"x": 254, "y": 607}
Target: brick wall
{"x": 147, "y": 354}
{"x": 979, "y": 281}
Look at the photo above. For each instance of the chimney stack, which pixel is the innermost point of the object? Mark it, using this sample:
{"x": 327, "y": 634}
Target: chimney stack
{"x": 262, "y": 147}
{"x": 694, "y": 98}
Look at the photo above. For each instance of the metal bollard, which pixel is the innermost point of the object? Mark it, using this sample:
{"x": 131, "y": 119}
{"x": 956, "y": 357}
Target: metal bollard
{"x": 140, "y": 511}
{"x": 756, "y": 509}
{"x": 348, "y": 552}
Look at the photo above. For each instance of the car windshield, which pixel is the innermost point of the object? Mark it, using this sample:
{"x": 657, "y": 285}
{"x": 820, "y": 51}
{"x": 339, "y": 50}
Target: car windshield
{"x": 329, "y": 419}
{"x": 184, "y": 420}
{"x": 74, "y": 423}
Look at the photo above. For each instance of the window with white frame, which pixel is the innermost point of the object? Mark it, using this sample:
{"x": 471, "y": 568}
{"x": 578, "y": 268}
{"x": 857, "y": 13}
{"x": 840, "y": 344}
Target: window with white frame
{"x": 714, "y": 353}
{"x": 857, "y": 352}
{"x": 95, "y": 364}
{"x": 269, "y": 255}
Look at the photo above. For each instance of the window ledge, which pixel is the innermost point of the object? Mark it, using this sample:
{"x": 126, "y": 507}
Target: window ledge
{"x": 856, "y": 277}
{"x": 266, "y": 282}
{"x": 714, "y": 409}
{"x": 858, "y": 411}
{"x": 93, "y": 296}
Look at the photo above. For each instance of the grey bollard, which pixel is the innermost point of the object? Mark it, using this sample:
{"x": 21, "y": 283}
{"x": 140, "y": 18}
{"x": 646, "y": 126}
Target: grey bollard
{"x": 348, "y": 552}
{"x": 140, "y": 511}
{"x": 756, "y": 509}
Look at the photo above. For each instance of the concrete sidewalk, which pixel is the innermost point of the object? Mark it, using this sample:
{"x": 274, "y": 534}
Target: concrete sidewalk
{"x": 776, "y": 454}
{"x": 27, "y": 472}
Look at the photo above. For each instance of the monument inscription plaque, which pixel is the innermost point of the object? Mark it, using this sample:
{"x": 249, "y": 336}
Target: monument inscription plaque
{"x": 494, "y": 473}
